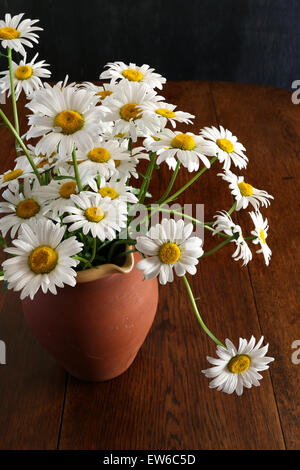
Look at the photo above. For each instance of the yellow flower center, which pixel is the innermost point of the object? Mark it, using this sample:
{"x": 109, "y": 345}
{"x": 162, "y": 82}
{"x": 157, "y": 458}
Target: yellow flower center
{"x": 70, "y": 121}
{"x": 120, "y": 135}
{"x": 183, "y": 142}
{"x": 117, "y": 163}
{"x": 43, "y": 163}
{"x": 239, "y": 364}
{"x": 165, "y": 112}
{"x": 130, "y": 111}
{"x": 42, "y": 259}
{"x": 262, "y": 236}
{"x": 9, "y": 33}
{"x": 108, "y": 191}
{"x": 132, "y": 75}
{"x": 94, "y": 214}
{"x": 12, "y": 175}
{"x": 104, "y": 93}
{"x": 23, "y": 72}
{"x": 169, "y": 253}
{"x": 71, "y": 163}
{"x": 67, "y": 189}
{"x": 245, "y": 189}
{"x": 225, "y": 144}
{"x": 27, "y": 208}
{"x": 99, "y": 155}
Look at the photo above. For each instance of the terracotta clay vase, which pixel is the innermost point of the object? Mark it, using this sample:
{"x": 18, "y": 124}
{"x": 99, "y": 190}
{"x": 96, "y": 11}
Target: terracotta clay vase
{"x": 95, "y": 329}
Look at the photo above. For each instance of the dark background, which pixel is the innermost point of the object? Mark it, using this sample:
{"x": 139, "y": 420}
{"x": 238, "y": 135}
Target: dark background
{"x": 252, "y": 41}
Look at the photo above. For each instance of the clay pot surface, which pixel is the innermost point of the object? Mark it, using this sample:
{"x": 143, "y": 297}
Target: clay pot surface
{"x": 95, "y": 329}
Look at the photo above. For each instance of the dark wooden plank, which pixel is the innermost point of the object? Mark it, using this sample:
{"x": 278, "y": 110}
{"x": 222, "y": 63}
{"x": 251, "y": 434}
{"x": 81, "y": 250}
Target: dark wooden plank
{"x": 268, "y": 123}
{"x": 163, "y": 400}
{"x": 32, "y": 385}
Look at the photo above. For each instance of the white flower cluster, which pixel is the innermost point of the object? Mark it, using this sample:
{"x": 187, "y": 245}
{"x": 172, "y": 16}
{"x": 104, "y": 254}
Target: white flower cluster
{"x": 70, "y": 191}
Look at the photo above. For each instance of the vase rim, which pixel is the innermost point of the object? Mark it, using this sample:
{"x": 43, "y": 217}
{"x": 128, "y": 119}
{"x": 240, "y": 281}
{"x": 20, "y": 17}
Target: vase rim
{"x": 105, "y": 270}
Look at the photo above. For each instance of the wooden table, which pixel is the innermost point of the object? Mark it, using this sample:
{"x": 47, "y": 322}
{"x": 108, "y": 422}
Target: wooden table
{"x": 163, "y": 400}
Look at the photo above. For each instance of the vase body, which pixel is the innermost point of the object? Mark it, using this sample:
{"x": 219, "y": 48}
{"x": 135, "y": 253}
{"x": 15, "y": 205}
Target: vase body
{"x": 95, "y": 329}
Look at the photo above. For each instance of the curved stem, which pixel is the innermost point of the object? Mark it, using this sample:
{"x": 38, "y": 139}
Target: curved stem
{"x": 146, "y": 182}
{"x": 216, "y": 248}
{"x": 172, "y": 180}
{"x": 76, "y": 169}
{"x": 188, "y": 184}
{"x": 195, "y": 308}
{"x": 20, "y": 141}
{"x": 195, "y": 221}
{"x": 94, "y": 250}
{"x": 83, "y": 260}
{"x": 12, "y": 89}
{"x": 232, "y": 208}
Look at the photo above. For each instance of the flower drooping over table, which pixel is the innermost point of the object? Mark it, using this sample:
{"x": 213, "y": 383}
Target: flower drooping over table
{"x": 68, "y": 204}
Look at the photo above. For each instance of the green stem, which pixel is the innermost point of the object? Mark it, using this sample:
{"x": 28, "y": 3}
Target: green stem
{"x": 216, "y": 248}
{"x": 127, "y": 252}
{"x": 172, "y": 180}
{"x": 83, "y": 260}
{"x": 195, "y": 221}
{"x": 20, "y": 141}
{"x": 146, "y": 182}
{"x": 195, "y": 308}
{"x": 13, "y": 95}
{"x": 188, "y": 184}
{"x": 130, "y": 145}
{"x": 94, "y": 250}
{"x": 76, "y": 169}
{"x": 232, "y": 208}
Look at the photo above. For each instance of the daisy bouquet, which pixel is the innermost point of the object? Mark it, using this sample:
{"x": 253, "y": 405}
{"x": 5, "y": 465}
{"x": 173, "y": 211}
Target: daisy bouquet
{"x": 68, "y": 204}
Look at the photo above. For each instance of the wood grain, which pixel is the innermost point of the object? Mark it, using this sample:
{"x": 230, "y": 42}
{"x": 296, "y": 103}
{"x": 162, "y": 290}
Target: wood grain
{"x": 32, "y": 386}
{"x": 273, "y": 145}
{"x": 163, "y": 400}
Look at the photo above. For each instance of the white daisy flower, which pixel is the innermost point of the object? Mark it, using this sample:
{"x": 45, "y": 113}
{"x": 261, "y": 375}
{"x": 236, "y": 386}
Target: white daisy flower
{"x": 22, "y": 207}
{"x": 235, "y": 369}
{"x": 169, "y": 246}
{"x": 11, "y": 177}
{"x": 225, "y": 145}
{"x": 114, "y": 189}
{"x": 244, "y": 193}
{"x": 41, "y": 259}
{"x": 133, "y": 73}
{"x": 93, "y": 213}
{"x": 41, "y": 161}
{"x": 261, "y": 232}
{"x": 188, "y": 148}
{"x": 66, "y": 117}
{"x": 62, "y": 84}
{"x": 16, "y": 34}
{"x": 167, "y": 113}
{"x": 126, "y": 108}
{"x": 27, "y": 77}
{"x": 103, "y": 157}
{"x": 56, "y": 196}
{"x": 224, "y": 223}
{"x": 102, "y": 92}
{"x": 148, "y": 141}
{"x": 126, "y": 168}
